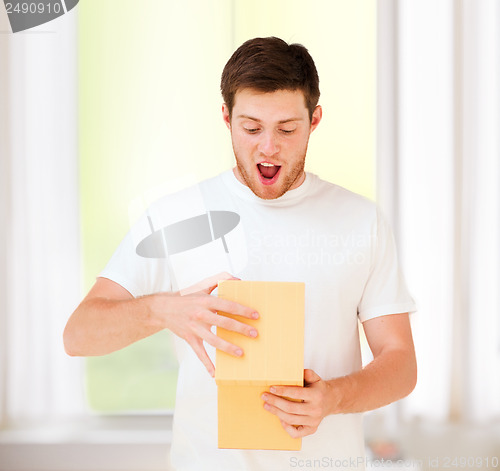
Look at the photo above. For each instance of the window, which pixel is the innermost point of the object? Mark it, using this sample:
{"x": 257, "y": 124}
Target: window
{"x": 146, "y": 117}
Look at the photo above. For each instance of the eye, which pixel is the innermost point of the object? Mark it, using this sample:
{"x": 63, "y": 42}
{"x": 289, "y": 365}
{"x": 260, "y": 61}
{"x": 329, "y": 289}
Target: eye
{"x": 251, "y": 130}
{"x": 287, "y": 131}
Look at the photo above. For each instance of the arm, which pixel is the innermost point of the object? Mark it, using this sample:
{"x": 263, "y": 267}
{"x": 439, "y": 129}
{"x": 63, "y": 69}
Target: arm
{"x": 110, "y": 318}
{"x": 390, "y": 376}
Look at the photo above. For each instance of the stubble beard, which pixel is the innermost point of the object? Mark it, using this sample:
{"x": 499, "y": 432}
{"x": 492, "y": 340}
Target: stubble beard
{"x": 277, "y": 191}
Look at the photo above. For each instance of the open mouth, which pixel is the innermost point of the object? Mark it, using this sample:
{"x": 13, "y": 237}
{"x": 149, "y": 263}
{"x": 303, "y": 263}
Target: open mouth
{"x": 268, "y": 172}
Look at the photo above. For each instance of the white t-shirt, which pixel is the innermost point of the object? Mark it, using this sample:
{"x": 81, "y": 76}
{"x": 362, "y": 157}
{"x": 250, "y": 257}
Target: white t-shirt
{"x": 333, "y": 240}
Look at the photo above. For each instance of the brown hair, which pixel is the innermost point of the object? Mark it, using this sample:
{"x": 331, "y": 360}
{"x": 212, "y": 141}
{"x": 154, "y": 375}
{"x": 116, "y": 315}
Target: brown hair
{"x": 268, "y": 65}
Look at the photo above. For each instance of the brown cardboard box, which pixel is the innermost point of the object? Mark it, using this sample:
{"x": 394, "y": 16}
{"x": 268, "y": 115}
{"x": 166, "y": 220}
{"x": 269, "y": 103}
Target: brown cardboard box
{"x": 275, "y": 357}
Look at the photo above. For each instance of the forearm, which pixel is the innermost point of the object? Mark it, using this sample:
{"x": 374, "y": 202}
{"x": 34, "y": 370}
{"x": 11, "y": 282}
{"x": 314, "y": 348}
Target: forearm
{"x": 100, "y": 326}
{"x": 389, "y": 377}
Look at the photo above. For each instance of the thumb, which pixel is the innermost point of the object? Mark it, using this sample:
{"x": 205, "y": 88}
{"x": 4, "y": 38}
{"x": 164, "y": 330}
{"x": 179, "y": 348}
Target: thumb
{"x": 214, "y": 281}
{"x": 310, "y": 377}
{"x": 208, "y": 284}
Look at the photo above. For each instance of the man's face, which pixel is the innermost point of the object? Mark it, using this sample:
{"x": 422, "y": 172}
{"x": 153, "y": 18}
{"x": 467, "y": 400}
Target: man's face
{"x": 270, "y": 133}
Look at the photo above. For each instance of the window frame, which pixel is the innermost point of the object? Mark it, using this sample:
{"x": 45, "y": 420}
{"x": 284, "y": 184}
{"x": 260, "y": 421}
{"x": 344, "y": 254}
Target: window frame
{"x": 132, "y": 442}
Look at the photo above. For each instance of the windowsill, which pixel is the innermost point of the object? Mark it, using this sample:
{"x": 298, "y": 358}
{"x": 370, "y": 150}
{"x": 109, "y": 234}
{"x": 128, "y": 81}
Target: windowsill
{"x": 94, "y": 429}
{"x": 127, "y": 443}
{"x": 142, "y": 443}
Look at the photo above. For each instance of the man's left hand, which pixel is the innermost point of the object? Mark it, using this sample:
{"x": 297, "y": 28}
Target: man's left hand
{"x": 301, "y": 409}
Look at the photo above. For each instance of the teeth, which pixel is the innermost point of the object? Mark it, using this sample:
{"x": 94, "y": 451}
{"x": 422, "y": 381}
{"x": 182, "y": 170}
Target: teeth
{"x": 265, "y": 164}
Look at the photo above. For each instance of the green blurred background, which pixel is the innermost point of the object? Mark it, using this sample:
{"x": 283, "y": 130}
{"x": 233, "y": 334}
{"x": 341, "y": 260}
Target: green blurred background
{"x": 150, "y": 113}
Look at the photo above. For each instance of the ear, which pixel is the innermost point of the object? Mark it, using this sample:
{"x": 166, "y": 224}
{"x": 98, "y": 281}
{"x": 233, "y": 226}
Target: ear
{"x": 225, "y": 116}
{"x": 316, "y": 118}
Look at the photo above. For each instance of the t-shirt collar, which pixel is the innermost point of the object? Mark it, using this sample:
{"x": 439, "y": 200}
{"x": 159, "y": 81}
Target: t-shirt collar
{"x": 290, "y": 197}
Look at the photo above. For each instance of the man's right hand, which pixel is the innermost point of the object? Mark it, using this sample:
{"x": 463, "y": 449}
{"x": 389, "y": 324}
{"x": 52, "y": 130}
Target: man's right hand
{"x": 110, "y": 318}
{"x": 191, "y": 313}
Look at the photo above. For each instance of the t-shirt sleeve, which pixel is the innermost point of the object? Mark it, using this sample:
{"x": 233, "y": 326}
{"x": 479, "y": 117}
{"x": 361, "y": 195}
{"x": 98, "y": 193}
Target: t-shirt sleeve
{"x": 139, "y": 275}
{"x": 385, "y": 291}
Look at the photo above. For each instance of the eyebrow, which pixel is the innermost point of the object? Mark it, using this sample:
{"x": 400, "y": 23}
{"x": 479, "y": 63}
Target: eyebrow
{"x": 244, "y": 116}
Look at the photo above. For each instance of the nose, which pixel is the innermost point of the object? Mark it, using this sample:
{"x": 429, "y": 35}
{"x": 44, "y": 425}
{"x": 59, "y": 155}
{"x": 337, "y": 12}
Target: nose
{"x": 268, "y": 144}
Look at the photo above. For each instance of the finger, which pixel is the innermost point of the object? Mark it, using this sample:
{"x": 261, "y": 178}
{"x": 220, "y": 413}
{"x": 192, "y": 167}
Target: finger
{"x": 311, "y": 377}
{"x": 223, "y": 276}
{"x": 207, "y": 285}
{"x": 290, "y": 407}
{"x": 218, "y": 343}
{"x": 214, "y": 281}
{"x": 293, "y": 419}
{"x": 202, "y": 354}
{"x": 297, "y": 431}
{"x": 293, "y": 392}
{"x": 231, "y": 307}
{"x": 229, "y": 323}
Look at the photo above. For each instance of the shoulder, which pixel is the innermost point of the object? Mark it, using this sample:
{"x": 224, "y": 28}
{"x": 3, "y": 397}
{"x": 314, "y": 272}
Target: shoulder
{"x": 343, "y": 199}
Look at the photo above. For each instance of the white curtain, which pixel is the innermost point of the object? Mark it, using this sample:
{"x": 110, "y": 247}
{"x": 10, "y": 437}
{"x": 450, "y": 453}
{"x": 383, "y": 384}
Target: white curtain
{"x": 439, "y": 179}
{"x": 40, "y": 277}
{"x": 480, "y": 146}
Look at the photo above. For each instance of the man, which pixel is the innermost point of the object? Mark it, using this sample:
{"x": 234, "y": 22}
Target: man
{"x": 292, "y": 227}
